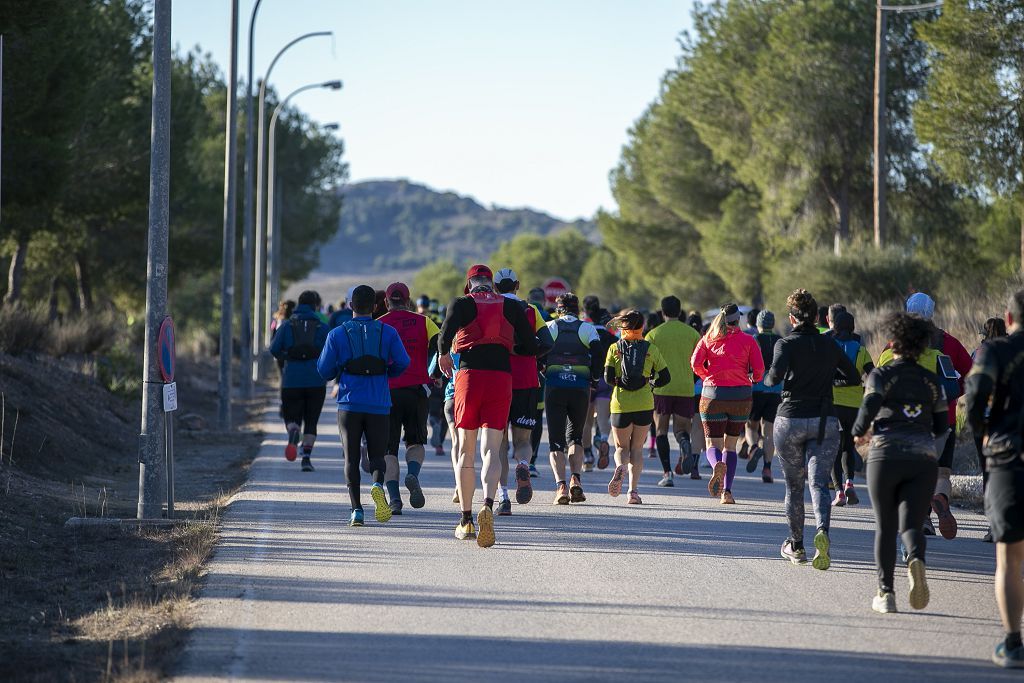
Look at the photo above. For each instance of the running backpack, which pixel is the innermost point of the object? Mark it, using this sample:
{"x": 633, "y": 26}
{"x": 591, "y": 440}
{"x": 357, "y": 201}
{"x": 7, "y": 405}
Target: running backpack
{"x": 365, "y": 364}
{"x": 304, "y": 345}
{"x": 949, "y": 378}
{"x": 632, "y": 356}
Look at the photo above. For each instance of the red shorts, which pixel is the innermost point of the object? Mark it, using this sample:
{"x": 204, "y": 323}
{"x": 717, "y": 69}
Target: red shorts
{"x": 482, "y": 399}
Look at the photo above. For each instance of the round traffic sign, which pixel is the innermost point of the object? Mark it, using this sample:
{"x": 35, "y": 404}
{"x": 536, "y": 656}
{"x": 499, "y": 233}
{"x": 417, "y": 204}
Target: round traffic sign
{"x": 165, "y": 353}
{"x": 554, "y": 288}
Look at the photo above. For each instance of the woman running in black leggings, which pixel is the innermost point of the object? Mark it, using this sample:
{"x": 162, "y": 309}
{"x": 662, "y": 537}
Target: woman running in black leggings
{"x": 905, "y": 408}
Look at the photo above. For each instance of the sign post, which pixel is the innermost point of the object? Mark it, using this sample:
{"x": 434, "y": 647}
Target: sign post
{"x": 166, "y": 360}
{"x": 554, "y": 288}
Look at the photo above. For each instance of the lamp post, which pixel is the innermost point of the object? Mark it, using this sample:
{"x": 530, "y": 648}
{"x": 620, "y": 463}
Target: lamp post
{"x": 881, "y": 58}
{"x": 245, "y": 317}
{"x": 260, "y": 324}
{"x": 273, "y": 235}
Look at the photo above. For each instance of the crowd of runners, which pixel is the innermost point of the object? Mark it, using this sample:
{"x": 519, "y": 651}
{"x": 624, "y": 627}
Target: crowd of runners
{"x": 802, "y": 391}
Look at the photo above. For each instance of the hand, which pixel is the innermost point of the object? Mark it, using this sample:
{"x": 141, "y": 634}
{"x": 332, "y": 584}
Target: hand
{"x": 446, "y": 365}
{"x": 862, "y": 440}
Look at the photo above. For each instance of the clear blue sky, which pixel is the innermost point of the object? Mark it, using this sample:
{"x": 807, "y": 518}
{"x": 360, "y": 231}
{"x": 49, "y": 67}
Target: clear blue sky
{"x": 521, "y": 103}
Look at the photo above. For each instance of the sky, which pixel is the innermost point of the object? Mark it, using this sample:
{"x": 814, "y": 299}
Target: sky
{"x": 524, "y": 103}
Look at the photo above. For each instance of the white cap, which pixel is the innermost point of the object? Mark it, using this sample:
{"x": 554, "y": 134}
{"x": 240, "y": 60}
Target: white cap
{"x": 506, "y": 274}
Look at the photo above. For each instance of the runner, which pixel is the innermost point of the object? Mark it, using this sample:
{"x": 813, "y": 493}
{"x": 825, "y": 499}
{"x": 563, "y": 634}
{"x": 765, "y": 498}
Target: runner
{"x": 344, "y": 312}
{"x": 599, "y": 413}
{"x": 846, "y": 401}
{"x": 698, "y": 443}
{"x": 483, "y": 327}
{"x": 296, "y": 345}
{"x": 410, "y": 401}
{"x": 673, "y": 403}
{"x": 522, "y": 416}
{"x": 997, "y": 380}
{"x": 764, "y": 403}
{"x": 539, "y": 299}
{"x": 633, "y": 364}
{"x": 361, "y": 355}
{"x": 994, "y": 328}
{"x": 435, "y": 417}
{"x": 905, "y": 409}
{"x": 449, "y": 411}
{"x": 285, "y": 309}
{"x": 727, "y": 361}
{"x": 571, "y": 371}
{"x": 751, "y": 327}
{"x": 806, "y": 432}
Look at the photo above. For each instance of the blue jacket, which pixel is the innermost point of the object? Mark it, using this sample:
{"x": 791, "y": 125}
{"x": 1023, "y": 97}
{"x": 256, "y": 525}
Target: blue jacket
{"x": 339, "y": 317}
{"x": 358, "y": 393}
{"x": 298, "y": 373}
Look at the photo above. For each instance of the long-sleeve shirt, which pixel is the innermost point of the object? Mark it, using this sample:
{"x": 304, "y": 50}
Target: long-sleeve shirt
{"x": 806, "y": 362}
{"x": 462, "y": 312}
{"x": 997, "y": 380}
{"x": 362, "y": 393}
{"x": 730, "y": 361}
{"x": 298, "y": 373}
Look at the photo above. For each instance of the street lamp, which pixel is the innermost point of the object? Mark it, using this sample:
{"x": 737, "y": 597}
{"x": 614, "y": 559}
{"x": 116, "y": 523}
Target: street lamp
{"x": 879, "y": 97}
{"x": 259, "y": 326}
{"x": 273, "y": 235}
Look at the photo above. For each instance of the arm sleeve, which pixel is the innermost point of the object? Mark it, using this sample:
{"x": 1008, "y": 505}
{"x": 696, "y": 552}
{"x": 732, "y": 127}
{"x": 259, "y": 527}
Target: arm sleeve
{"x": 398, "y": 357}
{"x": 851, "y": 378}
{"x": 869, "y": 406}
{"x": 609, "y": 366}
{"x": 663, "y": 377}
{"x": 780, "y": 364}
{"x": 979, "y": 385}
{"x": 700, "y": 354}
{"x": 456, "y": 319}
{"x": 756, "y": 361}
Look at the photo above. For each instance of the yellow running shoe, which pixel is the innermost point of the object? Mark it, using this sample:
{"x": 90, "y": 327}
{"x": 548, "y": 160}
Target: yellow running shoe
{"x": 381, "y": 510}
{"x": 919, "y": 593}
{"x": 485, "y": 522}
{"x": 465, "y": 530}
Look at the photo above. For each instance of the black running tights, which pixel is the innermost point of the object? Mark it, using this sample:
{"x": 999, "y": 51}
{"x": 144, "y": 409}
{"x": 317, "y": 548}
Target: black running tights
{"x": 846, "y": 460}
{"x": 353, "y": 427}
{"x": 901, "y": 494}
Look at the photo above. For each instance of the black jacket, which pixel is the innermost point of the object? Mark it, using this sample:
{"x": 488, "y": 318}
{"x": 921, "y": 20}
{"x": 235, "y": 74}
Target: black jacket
{"x": 997, "y": 379}
{"x": 806, "y": 362}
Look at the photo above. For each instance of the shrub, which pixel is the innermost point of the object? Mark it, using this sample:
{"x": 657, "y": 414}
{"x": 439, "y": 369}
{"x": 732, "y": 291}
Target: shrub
{"x": 85, "y": 334}
{"x": 24, "y": 328}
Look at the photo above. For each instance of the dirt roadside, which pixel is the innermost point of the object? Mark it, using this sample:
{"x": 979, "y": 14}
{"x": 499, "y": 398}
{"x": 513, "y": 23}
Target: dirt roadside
{"x": 103, "y": 604}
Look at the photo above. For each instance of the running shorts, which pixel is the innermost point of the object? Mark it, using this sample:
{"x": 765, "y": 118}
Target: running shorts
{"x": 409, "y": 409}
{"x": 1004, "y": 503}
{"x": 764, "y": 406}
{"x": 482, "y": 398}
{"x": 642, "y": 418}
{"x": 673, "y": 405}
{"x": 724, "y": 417}
{"x": 522, "y": 413}
{"x": 567, "y": 416}
{"x": 302, "y": 406}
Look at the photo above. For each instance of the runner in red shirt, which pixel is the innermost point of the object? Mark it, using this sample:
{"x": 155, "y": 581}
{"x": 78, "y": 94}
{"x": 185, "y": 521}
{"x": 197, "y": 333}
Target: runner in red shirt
{"x": 409, "y": 396}
{"x": 483, "y": 327}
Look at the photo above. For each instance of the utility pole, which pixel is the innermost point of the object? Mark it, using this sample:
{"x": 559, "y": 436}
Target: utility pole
{"x": 245, "y": 321}
{"x": 151, "y": 440}
{"x": 227, "y": 282}
{"x": 881, "y": 58}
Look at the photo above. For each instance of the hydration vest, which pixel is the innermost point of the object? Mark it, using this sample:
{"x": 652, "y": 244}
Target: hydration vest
{"x": 490, "y": 326}
{"x": 364, "y": 360}
{"x": 569, "y": 349}
{"x": 304, "y": 346}
{"x": 632, "y": 357}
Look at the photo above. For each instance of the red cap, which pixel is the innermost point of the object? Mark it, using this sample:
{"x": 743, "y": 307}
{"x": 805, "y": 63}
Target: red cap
{"x": 397, "y": 291}
{"x": 479, "y": 270}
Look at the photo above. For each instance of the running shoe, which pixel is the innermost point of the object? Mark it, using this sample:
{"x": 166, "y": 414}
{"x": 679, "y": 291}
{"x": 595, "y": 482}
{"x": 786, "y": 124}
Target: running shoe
{"x": 884, "y": 603}
{"x": 727, "y": 498}
{"x": 634, "y": 498}
{"x": 652, "y": 452}
{"x": 602, "y": 455}
{"x": 821, "y": 547}
{"x": 694, "y": 474}
{"x": 918, "y": 584}
{"x": 576, "y": 491}
{"x": 851, "y": 495}
{"x": 380, "y": 503}
{"x": 465, "y": 530}
{"x": 755, "y": 457}
{"x": 439, "y": 451}
{"x": 307, "y": 466}
{"x": 666, "y": 480}
{"x": 684, "y": 465}
{"x": 291, "y": 451}
{"x": 561, "y": 494}
{"x": 695, "y": 468}
{"x": 485, "y": 524}
{"x": 524, "y": 488}
{"x": 766, "y": 475}
{"x": 533, "y": 471}
{"x": 416, "y": 498}
{"x": 588, "y": 460}
{"x": 455, "y": 496}
{"x": 1008, "y": 659}
{"x": 840, "y": 500}
{"x": 947, "y": 522}
{"x": 717, "y": 482}
{"x": 744, "y": 451}
{"x": 505, "y": 508}
{"x": 928, "y": 528}
{"x": 356, "y": 518}
{"x": 793, "y": 555}
{"x": 615, "y": 485}
{"x": 395, "y": 506}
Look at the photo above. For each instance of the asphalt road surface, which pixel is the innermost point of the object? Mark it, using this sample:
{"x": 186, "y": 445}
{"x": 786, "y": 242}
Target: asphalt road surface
{"x": 680, "y": 588}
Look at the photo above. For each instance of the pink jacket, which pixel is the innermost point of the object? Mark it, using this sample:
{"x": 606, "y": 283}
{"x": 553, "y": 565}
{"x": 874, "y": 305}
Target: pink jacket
{"x": 728, "y": 361}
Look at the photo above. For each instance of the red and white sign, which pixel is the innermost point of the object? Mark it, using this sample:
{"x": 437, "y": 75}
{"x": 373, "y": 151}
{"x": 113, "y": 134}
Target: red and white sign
{"x": 554, "y": 288}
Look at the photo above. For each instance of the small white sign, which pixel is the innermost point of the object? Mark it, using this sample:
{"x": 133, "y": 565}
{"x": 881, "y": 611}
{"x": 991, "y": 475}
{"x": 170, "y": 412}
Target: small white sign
{"x": 170, "y": 397}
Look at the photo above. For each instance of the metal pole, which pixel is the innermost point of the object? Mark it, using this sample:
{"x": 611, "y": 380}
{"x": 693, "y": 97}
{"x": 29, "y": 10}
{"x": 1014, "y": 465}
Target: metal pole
{"x": 151, "y": 441}
{"x": 880, "y": 124}
{"x": 169, "y": 460}
{"x": 1, "y": 111}
{"x": 245, "y": 321}
{"x": 227, "y": 280}
{"x": 259, "y": 325}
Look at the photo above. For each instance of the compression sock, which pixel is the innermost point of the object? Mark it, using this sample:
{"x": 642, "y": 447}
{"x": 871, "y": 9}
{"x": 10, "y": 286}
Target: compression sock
{"x": 489, "y": 502}
{"x": 353, "y": 498}
{"x": 393, "y": 492}
{"x": 664, "y": 452}
{"x": 714, "y": 456}
{"x": 731, "y": 459}
{"x": 413, "y": 467}
{"x": 467, "y": 516}
{"x": 1013, "y": 640}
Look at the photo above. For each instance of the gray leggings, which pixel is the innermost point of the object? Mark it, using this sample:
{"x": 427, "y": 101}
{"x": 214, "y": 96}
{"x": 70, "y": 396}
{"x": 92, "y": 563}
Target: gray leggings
{"x": 798, "y": 449}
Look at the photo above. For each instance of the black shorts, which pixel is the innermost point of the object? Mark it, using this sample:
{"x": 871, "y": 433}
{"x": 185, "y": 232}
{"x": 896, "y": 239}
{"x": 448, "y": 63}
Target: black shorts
{"x": 302, "y": 406}
{"x": 641, "y": 418}
{"x": 567, "y": 416}
{"x": 1004, "y": 503}
{"x": 765, "y": 405}
{"x": 409, "y": 408}
{"x": 522, "y": 413}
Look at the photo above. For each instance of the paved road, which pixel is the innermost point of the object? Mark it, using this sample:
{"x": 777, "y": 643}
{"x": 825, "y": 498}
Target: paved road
{"x": 680, "y": 588}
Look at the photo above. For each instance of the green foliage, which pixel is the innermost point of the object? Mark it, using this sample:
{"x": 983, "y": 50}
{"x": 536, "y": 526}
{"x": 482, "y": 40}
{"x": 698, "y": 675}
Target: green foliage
{"x": 23, "y": 328}
{"x": 536, "y": 258}
{"x": 442, "y": 280}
